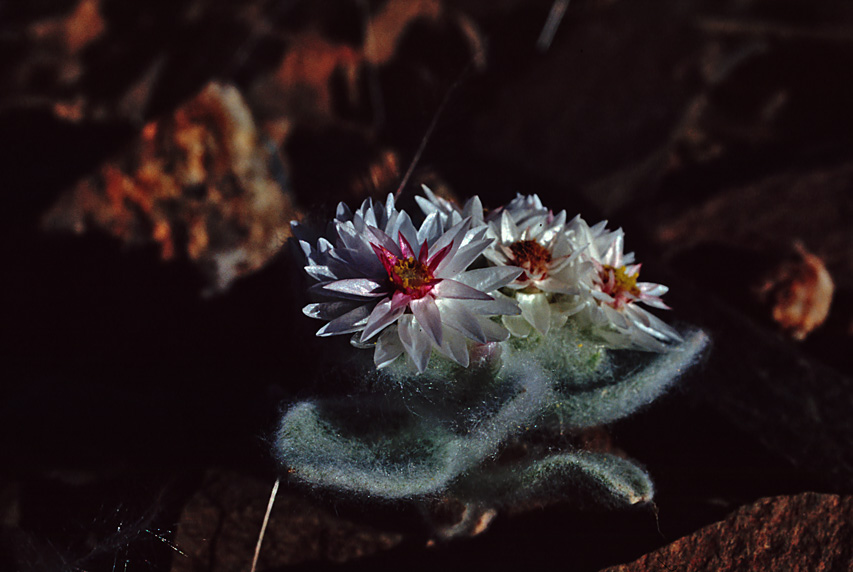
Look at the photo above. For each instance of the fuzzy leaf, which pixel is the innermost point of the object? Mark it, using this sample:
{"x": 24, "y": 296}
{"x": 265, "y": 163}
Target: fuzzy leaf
{"x": 585, "y": 406}
{"x": 580, "y": 476}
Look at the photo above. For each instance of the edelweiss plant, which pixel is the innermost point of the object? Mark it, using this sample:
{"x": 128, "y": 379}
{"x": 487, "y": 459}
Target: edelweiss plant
{"x": 485, "y": 328}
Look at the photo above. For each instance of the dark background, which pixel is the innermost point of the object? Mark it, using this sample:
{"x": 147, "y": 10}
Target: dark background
{"x": 716, "y": 133}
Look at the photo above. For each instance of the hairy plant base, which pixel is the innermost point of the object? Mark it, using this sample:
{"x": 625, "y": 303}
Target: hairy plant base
{"x": 437, "y": 433}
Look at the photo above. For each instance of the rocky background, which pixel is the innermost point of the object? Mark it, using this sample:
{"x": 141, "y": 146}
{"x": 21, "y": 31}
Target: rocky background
{"x": 153, "y": 153}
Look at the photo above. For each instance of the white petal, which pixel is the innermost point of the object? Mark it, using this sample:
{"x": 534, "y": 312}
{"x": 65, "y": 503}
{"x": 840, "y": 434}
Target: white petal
{"x": 452, "y": 289}
{"x": 651, "y": 289}
{"x": 343, "y": 212}
{"x": 415, "y": 341}
{"x": 496, "y": 256}
{"x": 330, "y": 310}
{"x": 383, "y": 314}
{"x": 357, "y": 287}
{"x": 352, "y": 321}
{"x": 500, "y": 306}
{"x": 518, "y": 326}
{"x": 455, "y": 347}
{"x": 654, "y": 326}
{"x": 390, "y": 209}
{"x": 430, "y": 229}
{"x": 494, "y": 332}
{"x": 382, "y": 239}
{"x": 553, "y": 284}
{"x": 536, "y": 310}
{"x": 509, "y": 231}
{"x": 428, "y": 317}
{"x": 404, "y": 226}
{"x": 614, "y": 317}
{"x": 463, "y": 258}
{"x": 489, "y": 279}
{"x": 427, "y": 206}
{"x": 320, "y": 272}
{"x": 474, "y": 209}
{"x": 458, "y": 316}
{"x": 655, "y": 303}
{"x": 388, "y": 348}
{"x": 452, "y": 237}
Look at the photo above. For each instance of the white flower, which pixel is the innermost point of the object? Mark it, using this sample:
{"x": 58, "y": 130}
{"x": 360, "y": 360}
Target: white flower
{"x": 544, "y": 245}
{"x": 407, "y": 290}
{"x": 614, "y": 294}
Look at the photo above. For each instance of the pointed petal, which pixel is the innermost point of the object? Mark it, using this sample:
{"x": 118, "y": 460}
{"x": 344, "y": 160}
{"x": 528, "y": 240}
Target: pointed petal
{"x": 405, "y": 246}
{"x": 343, "y": 212}
{"x": 453, "y": 289}
{"x": 357, "y": 287}
{"x": 474, "y": 209}
{"x": 427, "y": 206}
{"x": 352, "y": 321}
{"x": 386, "y": 257}
{"x": 320, "y": 272}
{"x": 464, "y": 257}
{"x": 438, "y": 258}
{"x": 377, "y": 237}
{"x": 455, "y": 347}
{"x": 459, "y": 317}
{"x": 430, "y": 229}
{"x": 651, "y": 289}
{"x": 329, "y": 310}
{"x": 493, "y": 331}
{"x": 415, "y": 341}
{"x": 452, "y": 237}
{"x": 489, "y": 279}
{"x": 428, "y": 317}
{"x": 509, "y": 231}
{"x": 616, "y": 318}
{"x": 403, "y": 226}
{"x": 500, "y": 306}
{"x": 536, "y": 310}
{"x": 388, "y": 348}
{"x": 382, "y": 315}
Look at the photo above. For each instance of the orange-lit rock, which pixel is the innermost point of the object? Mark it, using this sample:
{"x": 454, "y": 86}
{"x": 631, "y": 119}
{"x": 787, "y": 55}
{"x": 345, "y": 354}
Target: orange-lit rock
{"x": 198, "y": 183}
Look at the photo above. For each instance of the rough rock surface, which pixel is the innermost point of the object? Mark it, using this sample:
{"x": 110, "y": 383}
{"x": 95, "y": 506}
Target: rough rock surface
{"x": 200, "y": 183}
{"x": 801, "y": 533}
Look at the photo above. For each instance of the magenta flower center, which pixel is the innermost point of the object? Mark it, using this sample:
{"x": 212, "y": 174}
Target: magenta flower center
{"x": 413, "y": 277}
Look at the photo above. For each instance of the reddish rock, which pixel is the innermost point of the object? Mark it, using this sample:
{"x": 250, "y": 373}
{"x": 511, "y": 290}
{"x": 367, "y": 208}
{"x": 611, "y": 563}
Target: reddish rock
{"x": 800, "y": 292}
{"x": 198, "y": 183}
{"x": 806, "y": 532}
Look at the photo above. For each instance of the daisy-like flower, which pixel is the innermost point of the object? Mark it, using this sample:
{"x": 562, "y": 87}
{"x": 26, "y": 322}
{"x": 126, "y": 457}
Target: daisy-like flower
{"x": 406, "y": 290}
{"x": 529, "y": 236}
{"x": 614, "y": 293}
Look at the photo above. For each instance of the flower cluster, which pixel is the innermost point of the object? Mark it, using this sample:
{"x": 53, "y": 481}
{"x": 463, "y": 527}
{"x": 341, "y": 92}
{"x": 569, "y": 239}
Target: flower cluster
{"x": 465, "y": 277}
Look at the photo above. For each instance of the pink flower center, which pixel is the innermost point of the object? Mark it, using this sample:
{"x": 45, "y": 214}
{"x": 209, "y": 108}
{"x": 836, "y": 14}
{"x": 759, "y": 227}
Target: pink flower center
{"x": 532, "y": 257}
{"x": 619, "y": 284}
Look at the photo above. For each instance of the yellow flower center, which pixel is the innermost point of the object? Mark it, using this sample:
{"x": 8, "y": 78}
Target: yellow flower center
{"x": 623, "y": 282}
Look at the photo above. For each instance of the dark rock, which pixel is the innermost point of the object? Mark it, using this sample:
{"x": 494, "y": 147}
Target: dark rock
{"x": 220, "y": 524}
